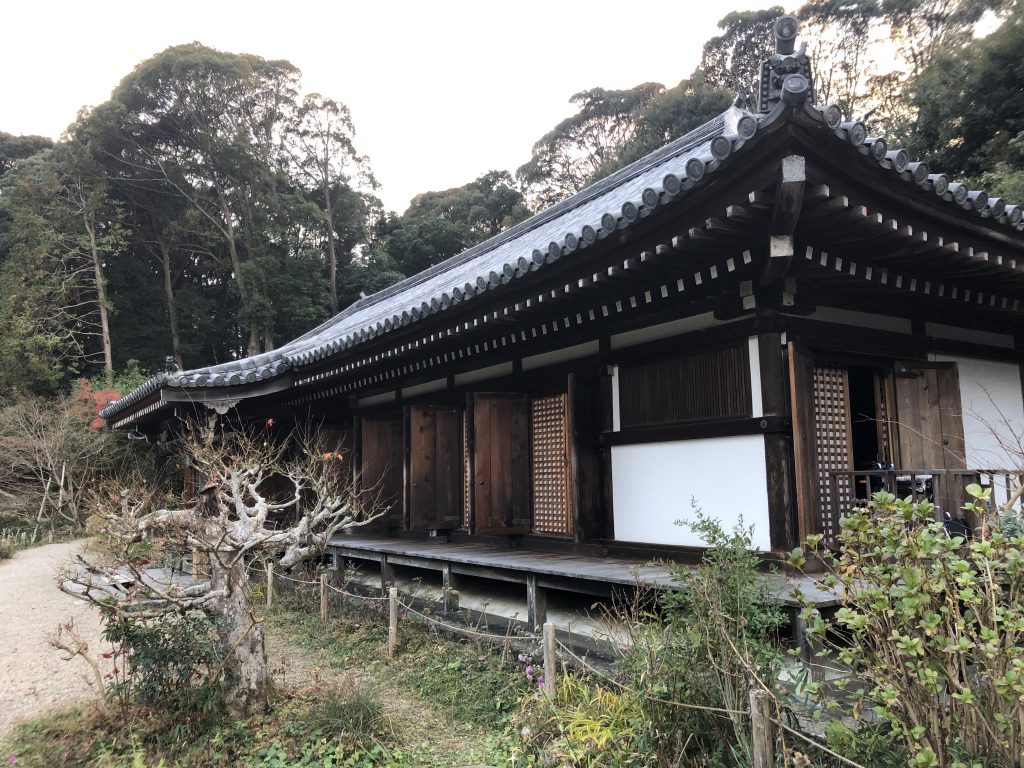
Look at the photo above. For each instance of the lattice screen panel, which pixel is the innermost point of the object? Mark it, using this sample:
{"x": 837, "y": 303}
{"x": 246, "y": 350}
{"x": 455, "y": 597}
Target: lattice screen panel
{"x": 832, "y": 444}
{"x": 552, "y": 492}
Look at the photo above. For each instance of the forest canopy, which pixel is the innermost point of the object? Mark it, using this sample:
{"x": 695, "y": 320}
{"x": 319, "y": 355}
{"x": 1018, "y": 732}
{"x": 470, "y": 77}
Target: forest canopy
{"x": 211, "y": 209}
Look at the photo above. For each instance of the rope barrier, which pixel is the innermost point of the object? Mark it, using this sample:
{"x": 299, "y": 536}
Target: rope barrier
{"x": 370, "y": 598}
{"x": 719, "y": 711}
{"x": 467, "y": 630}
{"x": 462, "y": 630}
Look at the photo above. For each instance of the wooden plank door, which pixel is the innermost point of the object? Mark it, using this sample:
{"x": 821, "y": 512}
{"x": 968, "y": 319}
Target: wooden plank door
{"x": 501, "y": 463}
{"x": 930, "y": 424}
{"x": 435, "y": 467}
{"x": 381, "y": 458}
{"x": 550, "y": 452}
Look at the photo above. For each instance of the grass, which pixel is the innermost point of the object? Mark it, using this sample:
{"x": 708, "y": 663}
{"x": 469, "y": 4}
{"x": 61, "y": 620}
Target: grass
{"x": 17, "y": 533}
{"x": 439, "y": 703}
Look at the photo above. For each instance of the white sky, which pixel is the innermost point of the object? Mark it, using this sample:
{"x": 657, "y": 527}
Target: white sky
{"x": 440, "y": 92}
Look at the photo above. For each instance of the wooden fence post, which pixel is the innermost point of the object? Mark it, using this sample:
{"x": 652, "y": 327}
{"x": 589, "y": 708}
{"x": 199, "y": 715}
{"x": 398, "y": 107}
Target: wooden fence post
{"x": 270, "y": 583}
{"x": 762, "y": 729}
{"x": 324, "y": 608}
{"x": 392, "y": 621}
{"x": 549, "y": 660}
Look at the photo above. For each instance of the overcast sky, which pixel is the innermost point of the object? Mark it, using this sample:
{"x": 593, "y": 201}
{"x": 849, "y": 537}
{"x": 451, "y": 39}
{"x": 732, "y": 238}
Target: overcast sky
{"x": 440, "y": 92}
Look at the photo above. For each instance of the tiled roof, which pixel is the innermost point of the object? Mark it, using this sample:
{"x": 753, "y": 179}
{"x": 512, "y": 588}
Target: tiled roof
{"x": 612, "y": 204}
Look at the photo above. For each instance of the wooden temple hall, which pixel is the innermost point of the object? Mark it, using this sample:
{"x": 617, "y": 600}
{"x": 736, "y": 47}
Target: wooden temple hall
{"x": 768, "y": 317}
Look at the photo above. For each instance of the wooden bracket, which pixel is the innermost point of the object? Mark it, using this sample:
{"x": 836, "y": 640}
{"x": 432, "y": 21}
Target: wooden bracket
{"x": 789, "y": 200}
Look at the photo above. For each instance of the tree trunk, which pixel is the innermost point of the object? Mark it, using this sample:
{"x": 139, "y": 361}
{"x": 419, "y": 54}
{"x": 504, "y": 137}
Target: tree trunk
{"x": 332, "y": 257}
{"x": 172, "y": 312}
{"x": 236, "y": 267}
{"x": 101, "y": 299}
{"x": 246, "y": 671}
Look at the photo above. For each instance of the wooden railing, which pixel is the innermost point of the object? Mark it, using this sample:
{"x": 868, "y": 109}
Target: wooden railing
{"x": 945, "y": 488}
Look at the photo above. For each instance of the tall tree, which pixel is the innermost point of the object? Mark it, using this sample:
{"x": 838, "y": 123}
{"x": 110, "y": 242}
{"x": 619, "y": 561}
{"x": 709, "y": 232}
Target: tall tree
{"x": 14, "y": 148}
{"x": 970, "y": 110}
{"x": 321, "y": 145}
{"x": 64, "y": 229}
{"x": 843, "y": 35}
{"x": 732, "y": 60}
{"x": 567, "y": 158}
{"x": 486, "y": 206}
{"x": 204, "y": 126}
{"x": 924, "y": 28}
{"x": 668, "y": 116}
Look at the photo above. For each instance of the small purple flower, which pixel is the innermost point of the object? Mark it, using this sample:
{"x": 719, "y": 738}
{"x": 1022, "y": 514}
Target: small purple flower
{"x": 528, "y": 672}
{"x": 12, "y": 759}
{"x": 523, "y": 658}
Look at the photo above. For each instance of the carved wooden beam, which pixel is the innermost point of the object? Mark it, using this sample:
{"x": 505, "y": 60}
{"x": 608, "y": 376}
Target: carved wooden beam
{"x": 789, "y": 200}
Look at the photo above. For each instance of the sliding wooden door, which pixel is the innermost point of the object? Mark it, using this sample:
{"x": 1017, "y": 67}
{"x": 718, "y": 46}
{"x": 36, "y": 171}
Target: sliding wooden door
{"x": 435, "y": 467}
{"x": 500, "y": 463}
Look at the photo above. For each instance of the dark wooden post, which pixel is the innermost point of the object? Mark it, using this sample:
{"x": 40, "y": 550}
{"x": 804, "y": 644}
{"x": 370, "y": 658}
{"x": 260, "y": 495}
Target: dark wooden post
{"x": 550, "y": 661}
{"x": 449, "y": 588}
{"x": 387, "y": 573}
{"x": 392, "y": 621}
{"x": 324, "y": 609}
{"x": 536, "y": 603}
{"x": 762, "y": 729}
{"x": 778, "y": 446}
{"x": 270, "y": 584}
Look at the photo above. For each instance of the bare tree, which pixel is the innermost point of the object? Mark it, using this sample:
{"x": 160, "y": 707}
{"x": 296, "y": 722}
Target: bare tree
{"x": 276, "y": 501}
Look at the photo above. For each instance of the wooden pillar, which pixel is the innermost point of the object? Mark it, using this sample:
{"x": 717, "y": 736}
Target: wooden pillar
{"x": 550, "y": 662}
{"x": 450, "y": 588}
{"x": 536, "y": 603}
{"x": 387, "y": 574}
{"x": 762, "y": 729}
{"x": 392, "y": 622}
{"x": 778, "y": 446}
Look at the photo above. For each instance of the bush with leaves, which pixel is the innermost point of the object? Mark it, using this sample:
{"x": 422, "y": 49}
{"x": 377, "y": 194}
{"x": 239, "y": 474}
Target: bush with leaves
{"x": 712, "y": 641}
{"x": 588, "y": 724}
{"x": 172, "y": 662}
{"x": 935, "y": 626}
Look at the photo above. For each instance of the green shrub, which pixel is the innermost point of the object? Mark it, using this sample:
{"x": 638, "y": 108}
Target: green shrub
{"x": 936, "y": 628}
{"x": 588, "y": 724}
{"x": 712, "y": 643}
{"x": 171, "y": 661}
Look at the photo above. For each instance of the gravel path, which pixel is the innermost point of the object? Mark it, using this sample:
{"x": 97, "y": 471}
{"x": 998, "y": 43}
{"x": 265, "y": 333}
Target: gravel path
{"x": 33, "y": 677}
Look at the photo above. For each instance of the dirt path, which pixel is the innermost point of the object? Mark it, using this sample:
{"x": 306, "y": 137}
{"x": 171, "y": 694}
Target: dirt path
{"x": 33, "y": 678}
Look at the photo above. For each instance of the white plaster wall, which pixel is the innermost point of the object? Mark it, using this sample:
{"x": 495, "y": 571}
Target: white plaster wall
{"x": 653, "y": 483}
{"x": 990, "y": 394}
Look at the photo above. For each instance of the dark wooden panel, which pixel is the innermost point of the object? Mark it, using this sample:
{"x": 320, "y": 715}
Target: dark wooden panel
{"x": 449, "y": 461}
{"x": 422, "y": 468}
{"x": 930, "y": 422}
{"x": 501, "y": 469}
{"x": 435, "y": 467}
{"x": 381, "y": 453}
{"x": 585, "y": 416}
{"x": 709, "y": 385}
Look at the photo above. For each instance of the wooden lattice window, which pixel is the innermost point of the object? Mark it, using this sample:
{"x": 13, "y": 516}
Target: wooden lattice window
{"x": 552, "y": 479}
{"x": 832, "y": 443}
{"x": 703, "y": 386}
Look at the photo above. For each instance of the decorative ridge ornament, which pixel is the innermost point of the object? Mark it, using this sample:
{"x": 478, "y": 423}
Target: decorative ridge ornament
{"x": 786, "y": 65}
